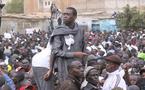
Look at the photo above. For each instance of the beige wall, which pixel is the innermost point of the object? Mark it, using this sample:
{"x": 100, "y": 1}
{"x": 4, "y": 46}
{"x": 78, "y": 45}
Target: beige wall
{"x": 81, "y": 5}
{"x": 108, "y": 6}
{"x": 117, "y": 5}
{"x": 61, "y": 4}
{"x": 20, "y": 24}
{"x": 30, "y": 6}
{"x": 84, "y": 5}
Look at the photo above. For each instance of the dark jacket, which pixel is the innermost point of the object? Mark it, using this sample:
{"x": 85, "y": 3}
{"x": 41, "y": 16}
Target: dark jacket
{"x": 141, "y": 83}
{"x": 71, "y": 83}
{"x": 64, "y": 56}
{"x": 91, "y": 87}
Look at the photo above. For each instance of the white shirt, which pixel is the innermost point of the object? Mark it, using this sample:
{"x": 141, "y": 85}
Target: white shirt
{"x": 42, "y": 59}
{"x": 7, "y": 35}
{"x": 113, "y": 78}
{"x": 69, "y": 40}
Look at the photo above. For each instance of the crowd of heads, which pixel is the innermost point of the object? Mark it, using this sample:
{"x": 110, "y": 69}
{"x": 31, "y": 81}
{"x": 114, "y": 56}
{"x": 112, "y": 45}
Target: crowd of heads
{"x": 16, "y": 53}
{"x": 125, "y": 48}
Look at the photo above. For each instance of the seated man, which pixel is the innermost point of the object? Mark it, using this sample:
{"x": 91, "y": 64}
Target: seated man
{"x": 75, "y": 74}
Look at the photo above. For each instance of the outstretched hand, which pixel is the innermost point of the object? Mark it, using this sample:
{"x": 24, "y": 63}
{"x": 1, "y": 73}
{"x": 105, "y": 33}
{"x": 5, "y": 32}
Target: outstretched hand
{"x": 126, "y": 66}
{"x": 80, "y": 54}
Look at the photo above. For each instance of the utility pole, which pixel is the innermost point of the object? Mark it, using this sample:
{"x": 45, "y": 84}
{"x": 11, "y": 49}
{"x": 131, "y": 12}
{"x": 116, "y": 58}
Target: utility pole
{"x": 1, "y": 6}
{"x": 116, "y": 2}
{"x": 139, "y": 5}
{"x": 86, "y": 5}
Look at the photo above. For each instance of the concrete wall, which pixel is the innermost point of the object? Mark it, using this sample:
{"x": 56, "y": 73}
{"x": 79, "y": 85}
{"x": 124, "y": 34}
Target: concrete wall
{"x": 31, "y": 6}
{"x": 117, "y": 5}
{"x": 20, "y": 24}
{"x": 80, "y": 5}
{"x": 108, "y": 6}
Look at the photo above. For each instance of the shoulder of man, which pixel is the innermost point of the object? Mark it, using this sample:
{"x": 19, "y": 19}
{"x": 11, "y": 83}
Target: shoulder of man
{"x": 88, "y": 87}
{"x": 82, "y": 27}
{"x": 60, "y": 27}
{"x": 67, "y": 85}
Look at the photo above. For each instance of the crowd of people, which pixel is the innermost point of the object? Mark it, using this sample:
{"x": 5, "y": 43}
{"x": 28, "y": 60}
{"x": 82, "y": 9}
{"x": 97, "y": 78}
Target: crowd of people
{"x": 80, "y": 59}
{"x": 15, "y": 59}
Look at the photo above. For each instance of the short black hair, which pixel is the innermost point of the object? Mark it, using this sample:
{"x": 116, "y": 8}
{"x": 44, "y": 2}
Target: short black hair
{"x": 70, "y": 67}
{"x": 142, "y": 71}
{"x": 73, "y": 9}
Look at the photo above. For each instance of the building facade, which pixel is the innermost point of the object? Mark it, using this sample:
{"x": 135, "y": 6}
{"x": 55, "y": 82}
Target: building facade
{"x": 85, "y": 7}
{"x": 22, "y": 23}
{"x": 89, "y": 11}
{"x": 37, "y": 6}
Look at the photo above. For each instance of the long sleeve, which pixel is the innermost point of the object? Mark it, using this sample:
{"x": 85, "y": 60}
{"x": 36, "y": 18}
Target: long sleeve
{"x": 57, "y": 46}
{"x": 68, "y": 85}
{"x": 9, "y": 82}
{"x": 84, "y": 41}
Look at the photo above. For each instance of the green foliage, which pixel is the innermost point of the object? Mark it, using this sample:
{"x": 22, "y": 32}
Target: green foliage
{"x": 15, "y": 6}
{"x": 130, "y": 18}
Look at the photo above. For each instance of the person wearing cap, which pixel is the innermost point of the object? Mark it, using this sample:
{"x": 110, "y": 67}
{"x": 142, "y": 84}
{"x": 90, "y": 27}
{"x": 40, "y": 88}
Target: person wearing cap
{"x": 115, "y": 73}
{"x": 92, "y": 77}
{"x": 91, "y": 62}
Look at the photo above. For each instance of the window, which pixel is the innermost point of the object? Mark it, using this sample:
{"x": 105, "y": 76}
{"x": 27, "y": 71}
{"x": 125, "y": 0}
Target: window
{"x": 45, "y": 3}
{"x": 95, "y": 27}
{"x": 48, "y": 2}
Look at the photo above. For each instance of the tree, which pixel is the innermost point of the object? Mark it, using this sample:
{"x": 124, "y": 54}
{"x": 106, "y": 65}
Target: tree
{"x": 130, "y": 18}
{"x": 15, "y": 6}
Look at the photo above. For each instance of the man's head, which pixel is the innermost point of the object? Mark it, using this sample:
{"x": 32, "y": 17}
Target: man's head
{"x": 76, "y": 69}
{"x": 69, "y": 15}
{"x": 133, "y": 79}
{"x": 142, "y": 72}
{"x": 112, "y": 63}
{"x": 133, "y": 87}
{"x": 91, "y": 74}
{"x": 117, "y": 88}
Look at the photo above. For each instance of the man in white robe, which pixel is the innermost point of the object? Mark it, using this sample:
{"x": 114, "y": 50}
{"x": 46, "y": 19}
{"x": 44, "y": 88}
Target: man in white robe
{"x": 115, "y": 73}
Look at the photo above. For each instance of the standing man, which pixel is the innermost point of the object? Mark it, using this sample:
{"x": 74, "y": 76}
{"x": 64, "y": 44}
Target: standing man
{"x": 67, "y": 43}
{"x": 40, "y": 67}
{"x": 115, "y": 73}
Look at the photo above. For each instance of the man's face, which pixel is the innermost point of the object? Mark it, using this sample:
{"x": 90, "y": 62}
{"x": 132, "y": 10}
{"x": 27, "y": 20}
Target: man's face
{"x": 78, "y": 70}
{"x": 109, "y": 66}
{"x": 93, "y": 77}
{"x": 133, "y": 80}
{"x": 68, "y": 16}
{"x": 143, "y": 75}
